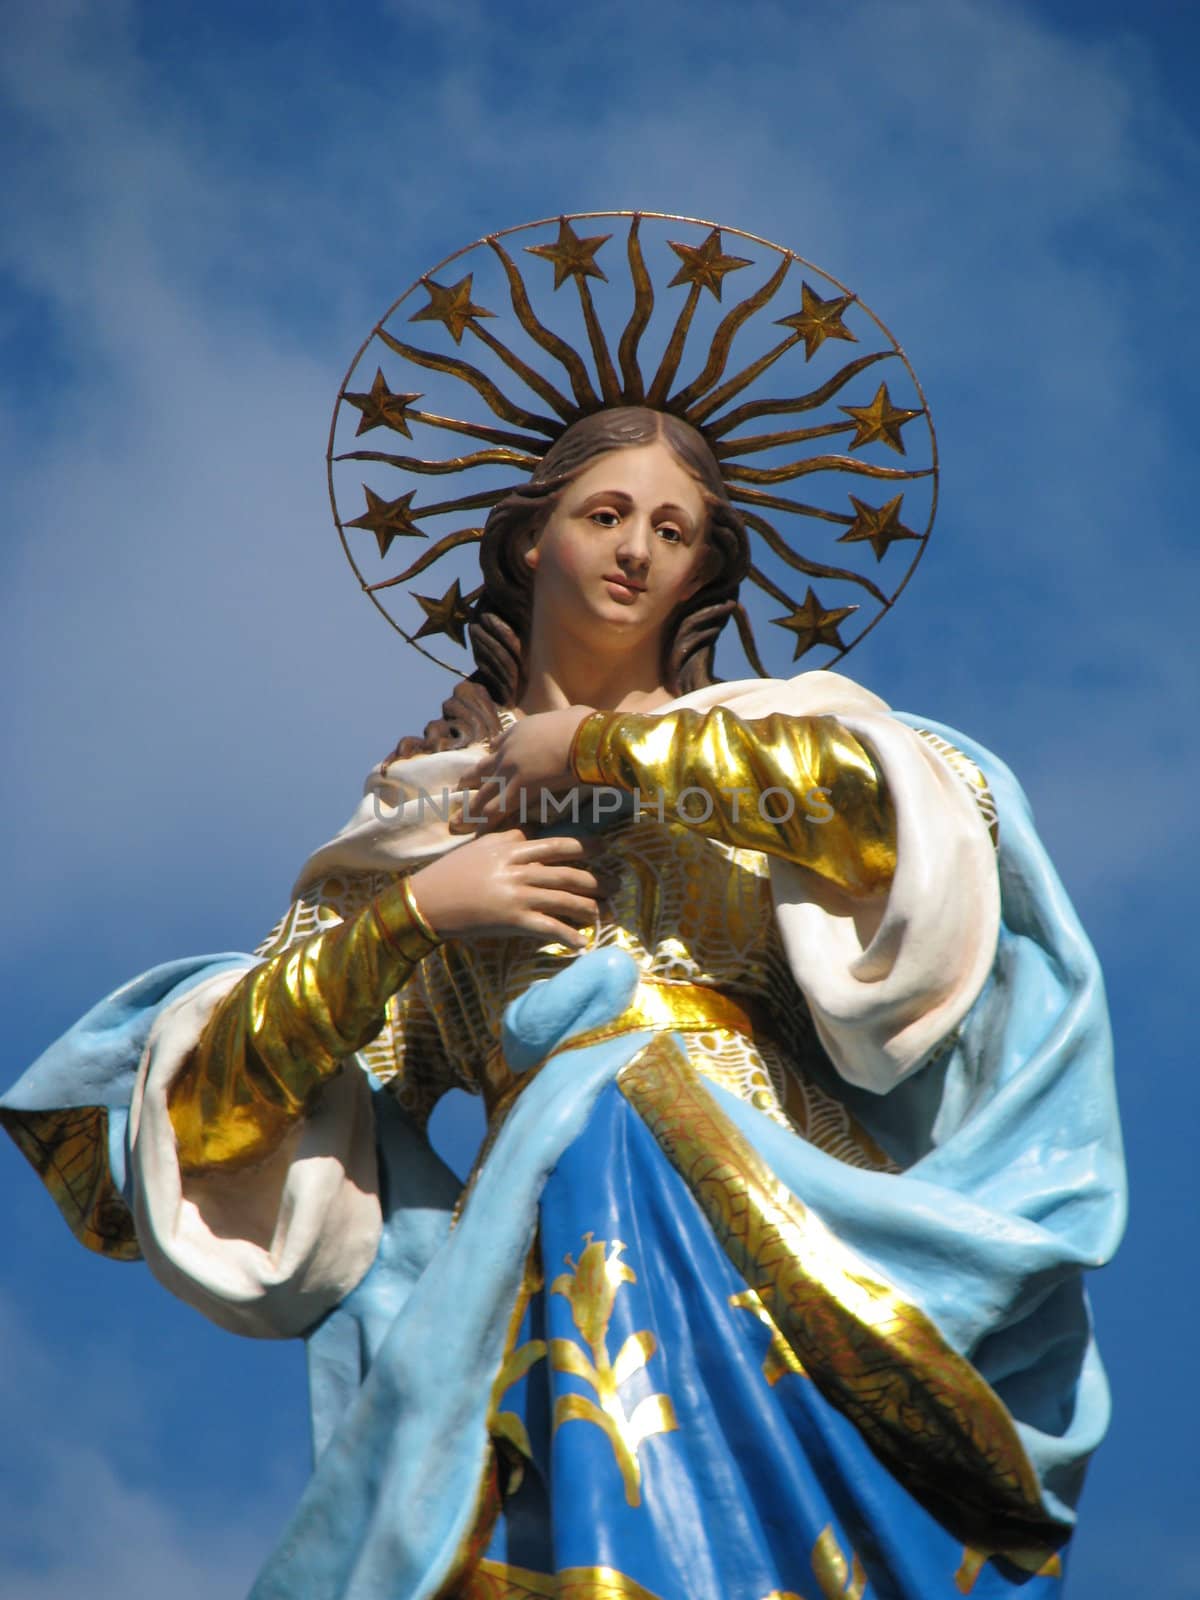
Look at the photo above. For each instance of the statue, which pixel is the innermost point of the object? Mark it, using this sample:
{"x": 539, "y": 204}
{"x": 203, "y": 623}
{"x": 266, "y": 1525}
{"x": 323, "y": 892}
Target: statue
{"x": 767, "y": 1281}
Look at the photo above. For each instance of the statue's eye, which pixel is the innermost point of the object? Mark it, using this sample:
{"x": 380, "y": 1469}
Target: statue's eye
{"x": 670, "y": 533}
{"x": 605, "y": 518}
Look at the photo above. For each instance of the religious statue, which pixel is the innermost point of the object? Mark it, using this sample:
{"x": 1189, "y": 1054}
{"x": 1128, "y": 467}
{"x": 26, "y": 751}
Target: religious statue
{"x": 767, "y": 1280}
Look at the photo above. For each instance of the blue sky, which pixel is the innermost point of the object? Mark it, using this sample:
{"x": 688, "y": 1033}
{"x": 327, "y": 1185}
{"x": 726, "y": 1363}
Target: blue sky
{"x": 206, "y": 210}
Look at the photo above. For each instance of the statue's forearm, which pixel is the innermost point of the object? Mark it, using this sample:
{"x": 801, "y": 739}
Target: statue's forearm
{"x": 285, "y": 1029}
{"x": 799, "y": 787}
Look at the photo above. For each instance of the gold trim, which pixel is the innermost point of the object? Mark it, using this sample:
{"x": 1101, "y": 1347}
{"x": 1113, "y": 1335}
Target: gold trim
{"x": 881, "y": 1361}
{"x": 68, "y": 1149}
{"x": 422, "y": 926}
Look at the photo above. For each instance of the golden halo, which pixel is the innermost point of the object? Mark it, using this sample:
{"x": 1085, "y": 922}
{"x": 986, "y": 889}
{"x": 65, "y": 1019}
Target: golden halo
{"x": 531, "y": 379}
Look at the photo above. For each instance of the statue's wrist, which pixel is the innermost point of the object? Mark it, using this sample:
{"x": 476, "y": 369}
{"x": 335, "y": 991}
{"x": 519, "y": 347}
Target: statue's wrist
{"x": 403, "y": 924}
{"x": 583, "y": 758}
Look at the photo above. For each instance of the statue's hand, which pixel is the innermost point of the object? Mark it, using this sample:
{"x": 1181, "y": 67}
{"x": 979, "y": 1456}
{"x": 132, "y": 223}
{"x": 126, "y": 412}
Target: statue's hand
{"x": 507, "y": 883}
{"x": 532, "y": 758}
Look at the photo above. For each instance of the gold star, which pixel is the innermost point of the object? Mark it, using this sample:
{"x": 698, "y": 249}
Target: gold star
{"x": 451, "y": 306}
{"x": 388, "y": 519}
{"x": 812, "y": 624}
{"x": 880, "y": 420}
{"x": 705, "y": 264}
{"x": 880, "y": 524}
{"x": 381, "y": 408}
{"x": 572, "y": 256}
{"x": 449, "y": 615}
{"x": 818, "y": 320}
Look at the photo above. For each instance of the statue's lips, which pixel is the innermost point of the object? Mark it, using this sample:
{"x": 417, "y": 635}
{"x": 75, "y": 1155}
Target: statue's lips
{"x": 623, "y": 590}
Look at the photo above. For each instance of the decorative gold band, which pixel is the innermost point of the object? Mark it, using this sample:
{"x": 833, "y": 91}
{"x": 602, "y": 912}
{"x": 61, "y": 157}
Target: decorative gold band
{"x": 657, "y": 1006}
{"x": 418, "y": 915}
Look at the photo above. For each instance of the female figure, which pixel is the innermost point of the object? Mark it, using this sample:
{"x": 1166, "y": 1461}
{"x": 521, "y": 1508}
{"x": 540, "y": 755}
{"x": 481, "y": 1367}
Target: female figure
{"x": 767, "y": 1279}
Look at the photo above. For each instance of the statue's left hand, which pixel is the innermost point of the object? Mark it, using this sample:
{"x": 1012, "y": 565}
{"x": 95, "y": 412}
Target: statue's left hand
{"x": 531, "y": 757}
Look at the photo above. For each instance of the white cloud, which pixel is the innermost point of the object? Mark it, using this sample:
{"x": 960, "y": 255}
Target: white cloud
{"x": 76, "y": 1520}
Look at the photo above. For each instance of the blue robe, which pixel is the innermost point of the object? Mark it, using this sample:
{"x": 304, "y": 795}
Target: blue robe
{"x": 734, "y": 1472}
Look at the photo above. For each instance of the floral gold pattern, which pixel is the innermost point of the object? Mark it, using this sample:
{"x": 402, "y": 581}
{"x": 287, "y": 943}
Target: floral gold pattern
{"x": 591, "y": 1288}
{"x": 920, "y": 1405}
{"x": 837, "y": 1578}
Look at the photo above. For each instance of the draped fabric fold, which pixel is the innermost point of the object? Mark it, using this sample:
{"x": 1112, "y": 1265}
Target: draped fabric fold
{"x": 963, "y": 1021}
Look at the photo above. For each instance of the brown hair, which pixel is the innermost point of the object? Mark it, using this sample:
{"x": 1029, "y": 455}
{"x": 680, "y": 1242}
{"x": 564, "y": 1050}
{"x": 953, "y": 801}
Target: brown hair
{"x": 500, "y": 624}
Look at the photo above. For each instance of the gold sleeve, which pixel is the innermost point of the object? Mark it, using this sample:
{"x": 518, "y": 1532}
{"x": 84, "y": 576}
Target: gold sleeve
{"x": 799, "y": 787}
{"x": 285, "y": 1029}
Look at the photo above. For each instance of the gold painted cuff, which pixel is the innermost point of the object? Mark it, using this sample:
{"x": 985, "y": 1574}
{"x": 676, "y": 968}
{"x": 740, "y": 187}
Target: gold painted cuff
{"x": 403, "y": 924}
{"x": 584, "y": 757}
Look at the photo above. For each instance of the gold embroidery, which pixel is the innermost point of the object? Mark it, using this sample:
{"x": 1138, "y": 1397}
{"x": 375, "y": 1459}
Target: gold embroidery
{"x": 591, "y": 1288}
{"x": 977, "y": 785}
{"x": 69, "y": 1152}
{"x": 689, "y": 910}
{"x": 921, "y": 1406}
{"x": 497, "y": 1580}
{"x": 780, "y": 1358}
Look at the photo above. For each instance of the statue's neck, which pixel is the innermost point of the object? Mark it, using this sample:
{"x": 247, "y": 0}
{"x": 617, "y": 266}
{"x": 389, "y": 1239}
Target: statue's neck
{"x": 559, "y": 673}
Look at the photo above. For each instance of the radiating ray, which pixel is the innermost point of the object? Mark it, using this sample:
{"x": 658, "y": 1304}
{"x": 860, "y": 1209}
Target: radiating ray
{"x": 741, "y": 380}
{"x": 468, "y": 502}
{"x": 496, "y": 401}
{"x": 775, "y": 502}
{"x": 610, "y": 386}
{"x": 746, "y": 635}
{"x": 480, "y": 430}
{"x": 801, "y": 469}
{"x": 673, "y": 354}
{"x": 770, "y": 441}
{"x": 542, "y": 387}
{"x": 478, "y": 458}
{"x": 585, "y": 395}
{"x": 805, "y": 402}
{"x": 427, "y": 557}
{"x": 769, "y": 586}
{"x": 722, "y": 343}
{"x": 643, "y": 305}
{"x": 775, "y": 542}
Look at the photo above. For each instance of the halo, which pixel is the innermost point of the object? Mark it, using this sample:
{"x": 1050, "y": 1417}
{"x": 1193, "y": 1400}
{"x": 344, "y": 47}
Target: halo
{"x": 521, "y": 382}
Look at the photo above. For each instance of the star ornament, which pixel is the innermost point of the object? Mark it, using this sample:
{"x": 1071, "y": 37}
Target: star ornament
{"x": 450, "y": 306}
{"x": 880, "y": 525}
{"x": 880, "y": 420}
{"x": 449, "y": 615}
{"x": 813, "y": 624}
{"x": 818, "y": 320}
{"x": 572, "y": 256}
{"x": 705, "y": 264}
{"x": 381, "y": 408}
{"x": 388, "y": 519}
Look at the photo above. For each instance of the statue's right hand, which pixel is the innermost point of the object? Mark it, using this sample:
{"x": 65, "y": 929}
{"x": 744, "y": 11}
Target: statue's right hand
{"x": 508, "y": 883}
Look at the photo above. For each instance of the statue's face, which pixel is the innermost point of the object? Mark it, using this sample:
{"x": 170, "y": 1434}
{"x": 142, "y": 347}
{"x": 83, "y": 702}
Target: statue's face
{"x": 623, "y": 547}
